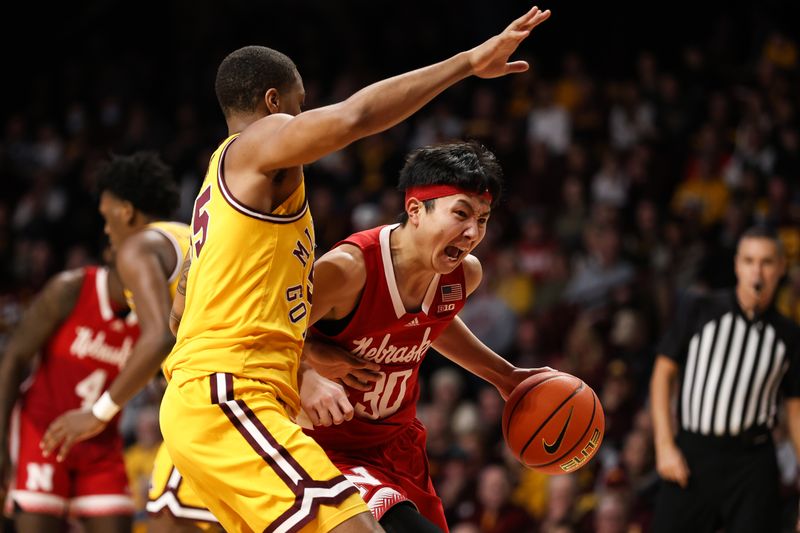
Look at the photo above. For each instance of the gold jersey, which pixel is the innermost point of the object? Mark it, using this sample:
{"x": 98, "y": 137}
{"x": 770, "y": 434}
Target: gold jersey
{"x": 178, "y": 234}
{"x": 248, "y": 293}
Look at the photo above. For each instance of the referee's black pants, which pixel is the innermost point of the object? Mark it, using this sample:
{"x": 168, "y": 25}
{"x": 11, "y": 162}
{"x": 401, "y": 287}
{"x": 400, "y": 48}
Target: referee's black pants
{"x": 733, "y": 485}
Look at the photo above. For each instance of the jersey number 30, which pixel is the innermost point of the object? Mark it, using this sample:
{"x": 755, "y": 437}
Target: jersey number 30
{"x": 392, "y": 385}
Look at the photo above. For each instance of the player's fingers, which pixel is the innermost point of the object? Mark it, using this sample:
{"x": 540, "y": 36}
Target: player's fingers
{"x": 50, "y": 440}
{"x": 524, "y": 19}
{"x": 336, "y": 414}
{"x": 346, "y": 407}
{"x": 366, "y": 376}
{"x": 538, "y": 19}
{"x": 352, "y": 381}
{"x": 517, "y": 66}
{"x": 366, "y": 365}
{"x": 324, "y": 417}
{"x": 65, "y": 448}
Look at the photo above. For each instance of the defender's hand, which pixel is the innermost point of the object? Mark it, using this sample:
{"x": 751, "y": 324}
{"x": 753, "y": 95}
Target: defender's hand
{"x": 336, "y": 363}
{"x": 73, "y": 426}
{"x": 324, "y": 401}
{"x": 490, "y": 59}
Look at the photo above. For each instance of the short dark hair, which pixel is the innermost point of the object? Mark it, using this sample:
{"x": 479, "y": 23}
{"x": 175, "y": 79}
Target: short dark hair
{"x": 468, "y": 165}
{"x": 246, "y": 74}
{"x": 142, "y": 179}
{"x": 762, "y": 232}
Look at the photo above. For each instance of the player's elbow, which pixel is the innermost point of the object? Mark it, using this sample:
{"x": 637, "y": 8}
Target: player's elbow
{"x": 159, "y": 342}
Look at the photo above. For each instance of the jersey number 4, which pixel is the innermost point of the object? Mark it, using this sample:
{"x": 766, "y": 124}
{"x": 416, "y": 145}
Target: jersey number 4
{"x": 200, "y": 220}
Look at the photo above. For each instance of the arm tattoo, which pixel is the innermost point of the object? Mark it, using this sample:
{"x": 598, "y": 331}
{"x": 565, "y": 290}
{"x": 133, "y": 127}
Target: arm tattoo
{"x": 187, "y": 262}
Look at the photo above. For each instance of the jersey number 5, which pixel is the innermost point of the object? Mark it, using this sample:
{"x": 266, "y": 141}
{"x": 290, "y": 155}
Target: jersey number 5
{"x": 200, "y": 220}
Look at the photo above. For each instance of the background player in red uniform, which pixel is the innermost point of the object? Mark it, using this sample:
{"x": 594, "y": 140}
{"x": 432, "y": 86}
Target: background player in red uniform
{"x": 386, "y": 295}
{"x": 81, "y": 326}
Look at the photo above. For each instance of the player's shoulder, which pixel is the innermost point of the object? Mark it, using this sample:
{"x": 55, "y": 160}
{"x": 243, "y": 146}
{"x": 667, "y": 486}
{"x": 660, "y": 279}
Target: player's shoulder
{"x": 473, "y": 272}
{"x": 68, "y": 280}
{"x": 343, "y": 265}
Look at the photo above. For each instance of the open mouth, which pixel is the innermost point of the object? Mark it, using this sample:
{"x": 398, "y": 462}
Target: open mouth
{"x": 454, "y": 253}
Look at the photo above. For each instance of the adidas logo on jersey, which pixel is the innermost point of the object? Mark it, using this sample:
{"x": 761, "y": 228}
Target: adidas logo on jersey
{"x": 413, "y": 323}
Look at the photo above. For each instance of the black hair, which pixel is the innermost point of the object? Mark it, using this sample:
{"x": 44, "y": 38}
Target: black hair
{"x": 763, "y": 232}
{"x": 142, "y": 179}
{"x": 246, "y": 74}
{"x": 468, "y": 165}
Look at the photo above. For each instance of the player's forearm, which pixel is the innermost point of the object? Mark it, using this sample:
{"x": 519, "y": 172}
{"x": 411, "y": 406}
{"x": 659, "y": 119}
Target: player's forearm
{"x": 461, "y": 346}
{"x": 141, "y": 366}
{"x": 660, "y": 392}
{"x": 383, "y": 104}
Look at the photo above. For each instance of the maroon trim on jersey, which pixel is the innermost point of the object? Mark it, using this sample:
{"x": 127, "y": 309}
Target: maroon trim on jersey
{"x": 320, "y": 492}
{"x": 247, "y": 210}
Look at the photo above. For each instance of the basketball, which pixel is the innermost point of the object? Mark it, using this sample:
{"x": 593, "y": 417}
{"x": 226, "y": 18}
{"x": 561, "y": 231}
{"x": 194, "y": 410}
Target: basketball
{"x": 553, "y": 422}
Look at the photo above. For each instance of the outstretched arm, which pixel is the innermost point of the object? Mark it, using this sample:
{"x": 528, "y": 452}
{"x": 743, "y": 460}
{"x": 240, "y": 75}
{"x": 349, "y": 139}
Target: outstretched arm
{"x": 141, "y": 272}
{"x": 282, "y": 141}
{"x": 45, "y": 314}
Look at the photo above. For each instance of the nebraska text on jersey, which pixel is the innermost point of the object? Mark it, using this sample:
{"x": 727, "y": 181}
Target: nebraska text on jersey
{"x": 389, "y": 353}
{"x": 89, "y": 343}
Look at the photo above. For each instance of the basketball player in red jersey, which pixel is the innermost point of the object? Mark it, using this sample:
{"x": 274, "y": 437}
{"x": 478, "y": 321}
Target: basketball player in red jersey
{"x": 82, "y": 327}
{"x": 386, "y": 295}
{"x": 137, "y": 196}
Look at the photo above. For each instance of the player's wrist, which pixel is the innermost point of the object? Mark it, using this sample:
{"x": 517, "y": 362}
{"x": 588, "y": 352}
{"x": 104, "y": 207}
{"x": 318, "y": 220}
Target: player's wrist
{"x": 104, "y": 409}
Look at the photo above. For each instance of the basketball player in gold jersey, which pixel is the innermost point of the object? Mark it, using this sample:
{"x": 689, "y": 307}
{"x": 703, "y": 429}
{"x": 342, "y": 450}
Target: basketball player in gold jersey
{"x": 226, "y": 413}
{"x": 137, "y": 193}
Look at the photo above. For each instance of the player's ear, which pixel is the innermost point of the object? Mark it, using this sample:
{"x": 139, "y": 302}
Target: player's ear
{"x": 127, "y": 213}
{"x": 413, "y": 208}
{"x": 273, "y": 100}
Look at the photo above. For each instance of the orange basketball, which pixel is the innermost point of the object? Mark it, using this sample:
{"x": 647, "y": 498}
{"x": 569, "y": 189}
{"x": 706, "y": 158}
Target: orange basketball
{"x": 553, "y": 422}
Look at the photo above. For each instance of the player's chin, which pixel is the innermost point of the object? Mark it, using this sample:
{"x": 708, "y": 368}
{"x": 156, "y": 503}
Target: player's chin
{"x": 445, "y": 264}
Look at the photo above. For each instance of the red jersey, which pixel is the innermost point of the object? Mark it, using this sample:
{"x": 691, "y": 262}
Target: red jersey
{"x": 380, "y": 330}
{"x": 82, "y": 357}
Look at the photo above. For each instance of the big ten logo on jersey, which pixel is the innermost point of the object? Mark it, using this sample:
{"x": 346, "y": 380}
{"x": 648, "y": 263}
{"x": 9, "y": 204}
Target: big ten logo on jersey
{"x": 200, "y": 220}
{"x": 298, "y": 297}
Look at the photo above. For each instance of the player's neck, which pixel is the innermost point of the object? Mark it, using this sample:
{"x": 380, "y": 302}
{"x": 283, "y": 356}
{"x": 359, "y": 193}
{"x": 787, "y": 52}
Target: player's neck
{"x": 237, "y": 123}
{"x": 412, "y": 273}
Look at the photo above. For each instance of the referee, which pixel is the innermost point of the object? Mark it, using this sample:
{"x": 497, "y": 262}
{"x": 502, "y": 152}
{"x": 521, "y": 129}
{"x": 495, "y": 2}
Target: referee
{"x": 735, "y": 357}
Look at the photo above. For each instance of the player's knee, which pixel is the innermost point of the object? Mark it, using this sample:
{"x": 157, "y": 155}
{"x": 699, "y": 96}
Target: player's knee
{"x": 404, "y": 517}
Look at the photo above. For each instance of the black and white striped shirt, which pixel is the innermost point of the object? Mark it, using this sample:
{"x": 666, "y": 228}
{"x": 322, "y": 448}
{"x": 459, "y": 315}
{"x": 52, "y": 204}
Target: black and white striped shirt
{"x": 733, "y": 368}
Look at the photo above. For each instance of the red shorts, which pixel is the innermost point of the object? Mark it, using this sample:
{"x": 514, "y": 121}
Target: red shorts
{"x": 395, "y": 472}
{"x": 90, "y": 482}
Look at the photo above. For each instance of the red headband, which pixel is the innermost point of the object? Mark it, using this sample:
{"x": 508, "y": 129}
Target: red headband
{"x": 429, "y": 192}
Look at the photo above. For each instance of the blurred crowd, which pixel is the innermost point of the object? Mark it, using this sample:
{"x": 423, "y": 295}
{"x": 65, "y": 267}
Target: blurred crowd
{"x": 622, "y": 192}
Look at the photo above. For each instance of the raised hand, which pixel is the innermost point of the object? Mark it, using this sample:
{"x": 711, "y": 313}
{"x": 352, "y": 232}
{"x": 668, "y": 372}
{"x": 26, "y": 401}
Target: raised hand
{"x": 72, "y": 427}
{"x": 490, "y": 59}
